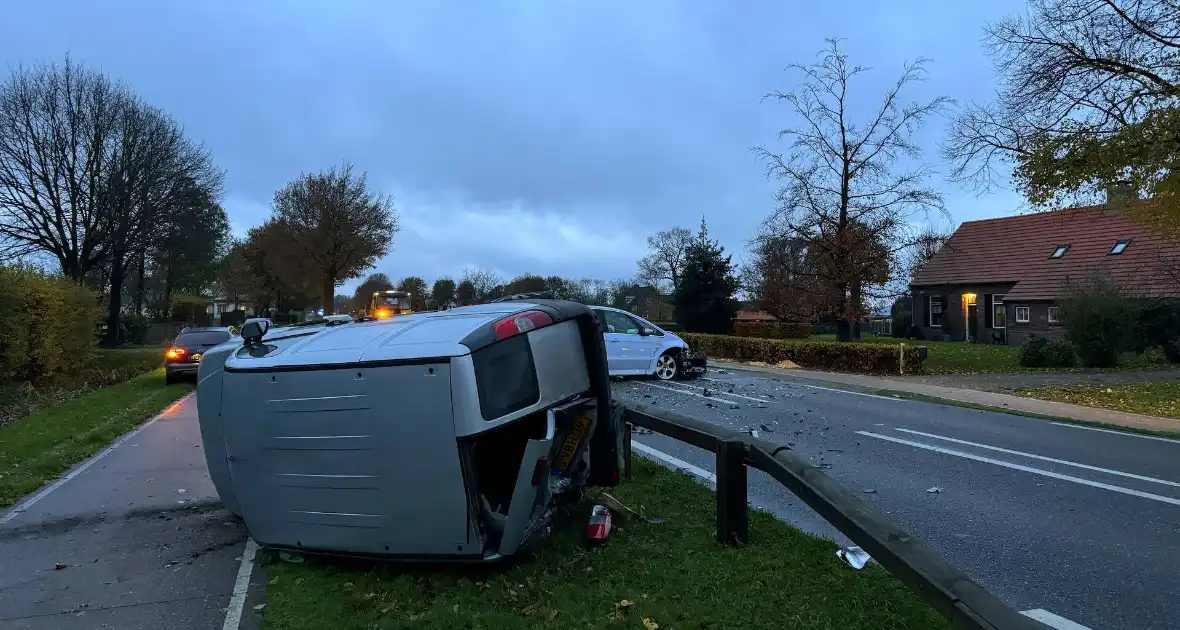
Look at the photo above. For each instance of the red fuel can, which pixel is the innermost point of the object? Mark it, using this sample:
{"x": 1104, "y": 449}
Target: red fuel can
{"x": 599, "y": 527}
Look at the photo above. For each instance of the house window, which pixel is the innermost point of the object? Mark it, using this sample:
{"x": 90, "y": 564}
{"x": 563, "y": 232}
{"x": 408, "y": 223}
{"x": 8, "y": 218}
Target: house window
{"x": 1054, "y": 314}
{"x": 1059, "y": 251}
{"x": 934, "y": 312}
{"x": 1021, "y": 314}
{"x": 999, "y": 315}
{"x": 1120, "y": 246}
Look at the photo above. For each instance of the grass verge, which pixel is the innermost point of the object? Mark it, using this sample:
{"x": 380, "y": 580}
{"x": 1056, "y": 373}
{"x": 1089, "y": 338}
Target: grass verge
{"x": 957, "y": 357}
{"x": 1161, "y": 398}
{"x": 40, "y": 447}
{"x": 674, "y": 574}
{"x": 102, "y": 368}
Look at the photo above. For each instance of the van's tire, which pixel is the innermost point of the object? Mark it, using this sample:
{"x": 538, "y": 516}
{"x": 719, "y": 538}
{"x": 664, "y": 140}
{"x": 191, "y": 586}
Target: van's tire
{"x": 667, "y": 367}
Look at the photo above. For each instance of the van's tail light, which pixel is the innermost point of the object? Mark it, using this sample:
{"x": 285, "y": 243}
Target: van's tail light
{"x": 175, "y": 353}
{"x": 521, "y": 323}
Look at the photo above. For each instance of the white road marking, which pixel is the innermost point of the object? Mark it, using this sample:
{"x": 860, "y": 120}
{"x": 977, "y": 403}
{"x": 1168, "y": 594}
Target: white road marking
{"x": 1051, "y": 620}
{"x": 237, "y": 601}
{"x": 1028, "y": 469}
{"x": 1042, "y": 457}
{"x": 1126, "y": 433}
{"x": 754, "y": 398}
{"x": 24, "y": 506}
{"x": 675, "y": 462}
{"x": 688, "y": 393}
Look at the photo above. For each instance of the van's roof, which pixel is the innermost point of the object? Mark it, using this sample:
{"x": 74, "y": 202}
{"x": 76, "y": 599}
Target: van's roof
{"x": 403, "y": 337}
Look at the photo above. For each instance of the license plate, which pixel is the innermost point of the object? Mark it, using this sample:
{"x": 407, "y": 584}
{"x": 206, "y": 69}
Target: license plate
{"x": 569, "y": 447}
{"x": 197, "y": 357}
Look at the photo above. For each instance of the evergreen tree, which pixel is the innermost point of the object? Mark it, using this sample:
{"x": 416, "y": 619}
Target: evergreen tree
{"x": 704, "y": 298}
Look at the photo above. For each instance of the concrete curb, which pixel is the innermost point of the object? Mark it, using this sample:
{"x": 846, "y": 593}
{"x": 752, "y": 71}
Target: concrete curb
{"x": 993, "y": 400}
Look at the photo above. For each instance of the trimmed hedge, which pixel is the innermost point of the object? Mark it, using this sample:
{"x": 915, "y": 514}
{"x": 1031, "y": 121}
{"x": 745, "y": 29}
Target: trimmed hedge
{"x": 772, "y": 330}
{"x": 47, "y": 324}
{"x": 856, "y": 358}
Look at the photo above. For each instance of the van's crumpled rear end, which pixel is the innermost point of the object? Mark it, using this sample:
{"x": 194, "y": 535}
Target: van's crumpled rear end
{"x": 419, "y": 437}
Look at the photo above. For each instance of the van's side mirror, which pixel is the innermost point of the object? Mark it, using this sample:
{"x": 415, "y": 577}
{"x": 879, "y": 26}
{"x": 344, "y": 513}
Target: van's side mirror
{"x": 254, "y": 329}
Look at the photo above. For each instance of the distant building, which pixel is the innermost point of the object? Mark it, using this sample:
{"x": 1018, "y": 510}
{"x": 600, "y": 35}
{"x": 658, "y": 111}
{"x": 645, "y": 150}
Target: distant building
{"x": 1000, "y": 280}
{"x": 648, "y": 303}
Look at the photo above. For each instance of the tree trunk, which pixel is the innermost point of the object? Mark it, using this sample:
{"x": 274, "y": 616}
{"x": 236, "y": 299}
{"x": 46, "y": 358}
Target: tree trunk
{"x": 168, "y": 293}
{"x": 115, "y": 301}
{"x": 855, "y": 295}
{"x": 329, "y": 293}
{"x": 843, "y": 332}
{"x": 140, "y": 280}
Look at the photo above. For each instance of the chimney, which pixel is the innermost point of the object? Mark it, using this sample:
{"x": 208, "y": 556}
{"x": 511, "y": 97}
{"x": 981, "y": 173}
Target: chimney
{"x": 1119, "y": 194}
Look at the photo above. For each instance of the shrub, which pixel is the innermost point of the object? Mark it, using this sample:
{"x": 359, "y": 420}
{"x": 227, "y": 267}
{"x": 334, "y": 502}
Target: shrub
{"x": 1100, "y": 321}
{"x": 1159, "y": 325}
{"x": 1040, "y": 351}
{"x": 47, "y": 324}
{"x": 772, "y": 330}
{"x": 857, "y": 358}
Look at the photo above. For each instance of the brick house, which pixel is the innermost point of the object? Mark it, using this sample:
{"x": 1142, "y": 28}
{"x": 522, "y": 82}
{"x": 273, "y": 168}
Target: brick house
{"x": 999, "y": 280}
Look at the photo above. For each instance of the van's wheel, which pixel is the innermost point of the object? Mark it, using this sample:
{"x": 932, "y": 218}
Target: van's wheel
{"x": 667, "y": 367}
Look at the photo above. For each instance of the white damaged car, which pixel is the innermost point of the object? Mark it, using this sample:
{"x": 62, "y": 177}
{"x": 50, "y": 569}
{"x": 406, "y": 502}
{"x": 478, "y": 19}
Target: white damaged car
{"x": 637, "y": 347}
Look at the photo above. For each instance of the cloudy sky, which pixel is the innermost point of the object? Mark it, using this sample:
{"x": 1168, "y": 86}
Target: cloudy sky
{"x": 549, "y": 136}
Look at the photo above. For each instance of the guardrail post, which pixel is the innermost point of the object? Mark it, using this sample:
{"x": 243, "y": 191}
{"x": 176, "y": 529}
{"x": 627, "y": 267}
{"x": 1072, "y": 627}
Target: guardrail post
{"x": 733, "y": 526}
{"x": 627, "y": 449}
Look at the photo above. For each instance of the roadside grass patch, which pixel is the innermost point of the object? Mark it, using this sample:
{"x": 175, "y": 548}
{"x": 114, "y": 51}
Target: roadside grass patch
{"x": 674, "y": 574}
{"x": 957, "y": 357}
{"x": 100, "y": 368}
{"x": 1159, "y": 398}
{"x": 43, "y": 445}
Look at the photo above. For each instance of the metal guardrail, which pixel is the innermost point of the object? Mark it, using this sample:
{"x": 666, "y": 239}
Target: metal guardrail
{"x": 958, "y": 598}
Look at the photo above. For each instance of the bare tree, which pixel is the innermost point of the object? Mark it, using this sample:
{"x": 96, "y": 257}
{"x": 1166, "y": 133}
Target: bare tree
{"x": 59, "y": 126}
{"x": 1088, "y": 97}
{"x": 667, "y": 253}
{"x": 339, "y": 224}
{"x": 926, "y": 245}
{"x": 851, "y": 189}
{"x": 483, "y": 281}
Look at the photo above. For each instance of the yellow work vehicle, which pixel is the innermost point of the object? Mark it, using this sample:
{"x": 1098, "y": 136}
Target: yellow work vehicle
{"x": 386, "y": 304}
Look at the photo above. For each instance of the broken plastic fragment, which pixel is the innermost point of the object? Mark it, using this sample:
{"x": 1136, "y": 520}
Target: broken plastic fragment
{"x": 870, "y": 491}
{"x": 293, "y": 558}
{"x": 854, "y": 557}
{"x": 934, "y": 490}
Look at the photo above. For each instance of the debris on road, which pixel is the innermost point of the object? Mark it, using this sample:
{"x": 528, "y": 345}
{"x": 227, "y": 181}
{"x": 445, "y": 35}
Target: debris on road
{"x": 767, "y": 427}
{"x": 293, "y": 558}
{"x": 854, "y": 557}
{"x": 733, "y": 406}
{"x": 934, "y": 490}
{"x": 599, "y": 527}
{"x": 869, "y": 491}
{"x": 59, "y": 566}
{"x": 707, "y": 392}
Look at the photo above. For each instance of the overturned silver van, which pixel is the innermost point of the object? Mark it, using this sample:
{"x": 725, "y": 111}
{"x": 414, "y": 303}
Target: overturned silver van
{"x": 450, "y": 435}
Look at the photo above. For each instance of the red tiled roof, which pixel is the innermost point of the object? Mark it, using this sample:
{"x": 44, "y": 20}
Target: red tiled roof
{"x": 1017, "y": 249}
{"x": 754, "y": 316}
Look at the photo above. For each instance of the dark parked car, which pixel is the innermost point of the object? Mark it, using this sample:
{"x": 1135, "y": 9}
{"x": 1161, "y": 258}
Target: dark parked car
{"x": 184, "y": 356}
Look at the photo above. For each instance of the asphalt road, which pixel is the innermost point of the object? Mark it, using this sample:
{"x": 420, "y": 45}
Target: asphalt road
{"x": 133, "y": 538}
{"x": 1079, "y": 522}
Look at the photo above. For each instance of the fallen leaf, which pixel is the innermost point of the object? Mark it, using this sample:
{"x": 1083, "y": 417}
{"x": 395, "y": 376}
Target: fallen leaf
{"x": 259, "y": 606}
{"x": 624, "y": 606}
{"x": 650, "y": 624}
{"x": 528, "y": 610}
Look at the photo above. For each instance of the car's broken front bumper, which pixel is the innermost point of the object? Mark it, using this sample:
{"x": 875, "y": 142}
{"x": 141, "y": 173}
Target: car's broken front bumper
{"x": 692, "y": 364}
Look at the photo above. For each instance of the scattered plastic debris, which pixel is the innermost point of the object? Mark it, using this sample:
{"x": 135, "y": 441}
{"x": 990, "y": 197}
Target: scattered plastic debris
{"x": 934, "y": 490}
{"x": 854, "y": 557}
{"x": 733, "y": 406}
{"x": 869, "y": 491}
{"x": 293, "y": 558}
{"x": 599, "y": 527}
{"x": 641, "y": 431}
{"x": 766, "y": 427}
{"x": 181, "y": 491}
{"x": 59, "y": 566}
{"x": 259, "y": 606}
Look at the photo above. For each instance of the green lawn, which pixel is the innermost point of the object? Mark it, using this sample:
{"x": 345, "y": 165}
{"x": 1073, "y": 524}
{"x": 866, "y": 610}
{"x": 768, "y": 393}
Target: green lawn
{"x": 1160, "y": 398}
{"x": 957, "y": 357}
{"x": 673, "y": 574}
{"x": 41, "y": 446}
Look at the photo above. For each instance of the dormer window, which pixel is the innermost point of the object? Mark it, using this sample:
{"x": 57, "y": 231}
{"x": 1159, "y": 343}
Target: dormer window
{"x": 1059, "y": 251}
{"x": 1120, "y": 246}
